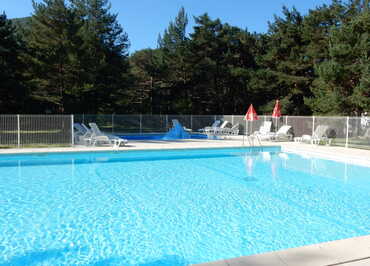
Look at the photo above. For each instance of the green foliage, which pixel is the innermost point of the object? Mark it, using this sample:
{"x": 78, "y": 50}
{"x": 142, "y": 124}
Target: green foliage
{"x": 344, "y": 76}
{"x": 77, "y": 56}
{"x": 77, "y": 61}
{"x": 12, "y": 90}
{"x": 104, "y": 60}
{"x": 53, "y": 44}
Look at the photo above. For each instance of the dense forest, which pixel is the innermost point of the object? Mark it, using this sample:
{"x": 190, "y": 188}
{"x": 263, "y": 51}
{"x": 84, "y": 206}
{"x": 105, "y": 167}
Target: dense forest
{"x": 72, "y": 56}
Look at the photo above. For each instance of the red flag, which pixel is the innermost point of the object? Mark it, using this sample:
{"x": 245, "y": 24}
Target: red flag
{"x": 251, "y": 114}
{"x": 277, "y": 110}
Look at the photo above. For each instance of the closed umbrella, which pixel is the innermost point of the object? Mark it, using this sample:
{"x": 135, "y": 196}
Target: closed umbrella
{"x": 276, "y": 113}
{"x": 277, "y": 110}
{"x": 251, "y": 114}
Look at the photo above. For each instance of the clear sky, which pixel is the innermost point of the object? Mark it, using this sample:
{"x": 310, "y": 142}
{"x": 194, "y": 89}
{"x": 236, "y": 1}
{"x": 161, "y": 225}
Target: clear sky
{"x": 143, "y": 20}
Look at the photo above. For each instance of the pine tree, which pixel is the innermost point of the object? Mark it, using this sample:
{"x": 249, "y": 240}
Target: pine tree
{"x": 54, "y": 49}
{"x": 172, "y": 92}
{"x": 12, "y": 90}
{"x": 287, "y": 63}
{"x": 343, "y": 86}
{"x": 104, "y": 57}
{"x": 223, "y": 62}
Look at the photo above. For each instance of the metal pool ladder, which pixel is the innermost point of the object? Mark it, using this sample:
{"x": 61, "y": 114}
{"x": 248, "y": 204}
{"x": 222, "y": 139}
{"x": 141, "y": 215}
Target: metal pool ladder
{"x": 251, "y": 140}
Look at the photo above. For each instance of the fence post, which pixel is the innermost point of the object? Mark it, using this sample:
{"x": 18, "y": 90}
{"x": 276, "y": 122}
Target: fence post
{"x": 166, "y": 122}
{"x": 191, "y": 122}
{"x": 112, "y": 124}
{"x": 141, "y": 126}
{"x": 347, "y": 132}
{"x": 286, "y": 120}
{"x": 72, "y": 132}
{"x": 18, "y": 132}
{"x": 232, "y": 119}
{"x": 313, "y": 127}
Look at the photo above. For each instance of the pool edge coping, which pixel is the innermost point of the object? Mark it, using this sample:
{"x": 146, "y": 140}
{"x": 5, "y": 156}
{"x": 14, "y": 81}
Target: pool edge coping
{"x": 123, "y": 150}
{"x": 344, "y": 252}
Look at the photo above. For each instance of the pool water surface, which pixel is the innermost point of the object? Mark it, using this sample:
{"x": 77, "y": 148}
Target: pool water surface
{"x": 174, "y": 207}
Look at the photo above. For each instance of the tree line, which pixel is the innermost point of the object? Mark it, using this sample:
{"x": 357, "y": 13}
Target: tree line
{"x": 72, "y": 57}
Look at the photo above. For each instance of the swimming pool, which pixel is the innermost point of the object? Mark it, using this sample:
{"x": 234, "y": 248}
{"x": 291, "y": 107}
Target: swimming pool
{"x": 174, "y": 207}
{"x": 158, "y": 136}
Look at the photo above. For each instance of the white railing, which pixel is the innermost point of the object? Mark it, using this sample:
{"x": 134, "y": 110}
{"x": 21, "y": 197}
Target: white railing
{"x": 49, "y": 130}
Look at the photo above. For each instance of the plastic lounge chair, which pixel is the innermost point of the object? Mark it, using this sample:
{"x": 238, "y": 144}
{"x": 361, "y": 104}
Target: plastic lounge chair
{"x": 233, "y": 131}
{"x": 100, "y": 137}
{"x": 264, "y": 132}
{"x": 214, "y": 125}
{"x": 319, "y": 135}
{"x": 217, "y": 130}
{"x": 82, "y": 134}
{"x": 284, "y": 133}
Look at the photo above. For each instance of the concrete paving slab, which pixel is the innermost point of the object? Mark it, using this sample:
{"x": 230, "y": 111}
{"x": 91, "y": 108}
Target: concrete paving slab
{"x": 364, "y": 262}
{"x": 347, "y": 252}
{"x": 267, "y": 259}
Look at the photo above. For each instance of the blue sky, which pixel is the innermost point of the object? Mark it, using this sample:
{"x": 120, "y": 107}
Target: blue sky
{"x": 143, "y": 20}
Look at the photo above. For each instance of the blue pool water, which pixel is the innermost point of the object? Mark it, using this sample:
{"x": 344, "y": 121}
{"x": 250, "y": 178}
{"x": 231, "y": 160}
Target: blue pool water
{"x": 174, "y": 207}
{"x": 158, "y": 136}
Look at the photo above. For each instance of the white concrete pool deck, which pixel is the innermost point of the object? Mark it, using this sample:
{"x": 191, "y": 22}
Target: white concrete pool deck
{"x": 348, "y": 252}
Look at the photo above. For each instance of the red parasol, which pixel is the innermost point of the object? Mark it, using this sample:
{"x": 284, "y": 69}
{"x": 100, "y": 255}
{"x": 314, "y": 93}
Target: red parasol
{"x": 251, "y": 114}
{"x": 277, "y": 110}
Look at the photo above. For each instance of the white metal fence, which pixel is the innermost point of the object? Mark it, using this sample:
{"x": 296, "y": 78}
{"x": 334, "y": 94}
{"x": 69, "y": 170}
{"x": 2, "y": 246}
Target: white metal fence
{"x": 56, "y": 130}
{"x": 35, "y": 130}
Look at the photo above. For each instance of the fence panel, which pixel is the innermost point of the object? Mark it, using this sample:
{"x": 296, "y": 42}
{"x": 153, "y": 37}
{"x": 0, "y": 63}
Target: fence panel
{"x": 302, "y": 125}
{"x": 202, "y": 121}
{"x": 126, "y": 124}
{"x": 154, "y": 124}
{"x": 239, "y": 119}
{"x": 8, "y": 131}
{"x": 359, "y": 133}
{"x": 38, "y": 130}
{"x": 337, "y": 128}
{"x": 104, "y": 122}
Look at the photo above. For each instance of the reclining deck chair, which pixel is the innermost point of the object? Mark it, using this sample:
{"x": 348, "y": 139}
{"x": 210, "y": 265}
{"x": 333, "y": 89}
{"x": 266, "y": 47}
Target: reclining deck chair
{"x": 99, "y": 137}
{"x": 264, "y": 133}
{"x": 284, "y": 133}
{"x": 319, "y": 135}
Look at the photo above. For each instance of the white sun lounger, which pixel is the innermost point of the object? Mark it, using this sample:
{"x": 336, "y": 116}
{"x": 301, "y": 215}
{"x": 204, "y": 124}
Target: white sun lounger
{"x": 214, "y": 125}
{"x": 82, "y": 134}
{"x": 264, "y": 133}
{"x": 233, "y": 131}
{"x": 99, "y": 137}
{"x": 284, "y": 133}
{"x": 217, "y": 130}
{"x": 319, "y": 135}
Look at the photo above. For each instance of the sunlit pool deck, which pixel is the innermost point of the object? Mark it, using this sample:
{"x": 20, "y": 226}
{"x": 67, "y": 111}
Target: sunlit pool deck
{"x": 348, "y": 252}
